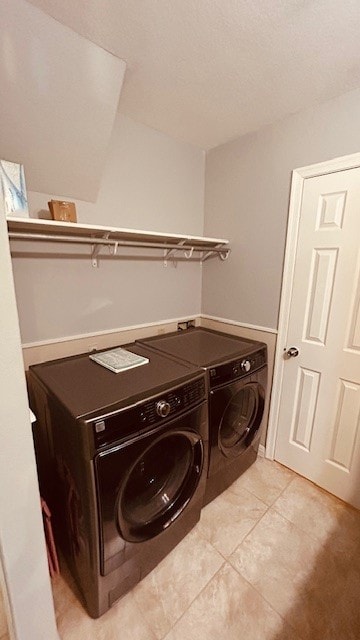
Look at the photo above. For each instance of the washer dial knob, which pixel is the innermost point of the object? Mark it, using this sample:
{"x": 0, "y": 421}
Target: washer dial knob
{"x": 162, "y": 408}
{"x": 245, "y": 365}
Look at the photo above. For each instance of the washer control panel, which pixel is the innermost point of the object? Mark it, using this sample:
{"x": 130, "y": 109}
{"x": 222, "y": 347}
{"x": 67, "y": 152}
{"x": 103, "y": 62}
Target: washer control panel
{"x": 147, "y": 414}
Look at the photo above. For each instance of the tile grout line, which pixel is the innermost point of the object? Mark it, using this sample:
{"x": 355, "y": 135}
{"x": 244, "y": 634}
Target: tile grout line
{"x": 228, "y": 563}
{"x": 193, "y": 600}
{"x": 142, "y": 615}
{"x": 313, "y": 537}
{"x": 202, "y": 588}
{"x": 304, "y": 533}
{"x": 249, "y": 532}
{"x": 283, "y": 490}
{"x": 262, "y": 500}
{"x": 280, "y": 514}
{"x": 148, "y": 623}
{"x": 269, "y": 506}
{"x": 261, "y": 594}
{"x": 256, "y": 523}
{"x": 267, "y": 510}
{"x": 265, "y": 600}
{"x": 252, "y": 493}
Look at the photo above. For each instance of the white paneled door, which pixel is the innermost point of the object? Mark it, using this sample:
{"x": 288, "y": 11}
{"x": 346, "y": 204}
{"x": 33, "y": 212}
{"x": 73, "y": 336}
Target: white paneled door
{"x": 319, "y": 417}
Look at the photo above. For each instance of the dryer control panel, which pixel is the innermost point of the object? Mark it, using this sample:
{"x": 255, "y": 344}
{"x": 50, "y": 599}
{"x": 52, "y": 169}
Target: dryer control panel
{"x": 238, "y": 368}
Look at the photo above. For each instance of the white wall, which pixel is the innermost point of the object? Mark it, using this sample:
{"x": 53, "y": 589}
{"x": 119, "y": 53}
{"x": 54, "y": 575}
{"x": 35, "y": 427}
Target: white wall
{"x": 22, "y": 545}
{"x": 60, "y": 94}
{"x": 247, "y": 197}
{"x": 151, "y": 182}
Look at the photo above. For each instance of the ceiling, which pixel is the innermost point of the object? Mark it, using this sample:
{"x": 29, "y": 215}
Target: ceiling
{"x": 208, "y": 71}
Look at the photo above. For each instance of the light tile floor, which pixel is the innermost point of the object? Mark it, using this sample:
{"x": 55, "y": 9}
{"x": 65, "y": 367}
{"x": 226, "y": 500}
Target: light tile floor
{"x": 272, "y": 558}
{"x": 3, "y": 623}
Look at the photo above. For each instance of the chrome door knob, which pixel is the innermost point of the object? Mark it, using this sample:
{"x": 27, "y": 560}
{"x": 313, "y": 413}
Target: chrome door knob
{"x": 293, "y": 352}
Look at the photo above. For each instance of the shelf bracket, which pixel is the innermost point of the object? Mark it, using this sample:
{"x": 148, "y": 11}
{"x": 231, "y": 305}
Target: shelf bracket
{"x": 95, "y": 249}
{"x": 223, "y": 255}
{"x": 206, "y": 255}
{"x": 170, "y": 252}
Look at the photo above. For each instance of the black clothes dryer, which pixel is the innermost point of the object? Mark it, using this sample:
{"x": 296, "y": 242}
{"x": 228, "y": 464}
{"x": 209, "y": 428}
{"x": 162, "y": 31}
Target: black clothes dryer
{"x": 236, "y": 381}
{"x": 122, "y": 462}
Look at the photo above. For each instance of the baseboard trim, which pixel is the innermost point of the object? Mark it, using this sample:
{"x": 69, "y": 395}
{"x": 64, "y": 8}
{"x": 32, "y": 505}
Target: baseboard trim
{"x": 245, "y": 325}
{"x": 261, "y": 451}
{"x": 134, "y": 327}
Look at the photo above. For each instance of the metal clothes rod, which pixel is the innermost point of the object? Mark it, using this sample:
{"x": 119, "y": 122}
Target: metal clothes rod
{"x": 18, "y": 235}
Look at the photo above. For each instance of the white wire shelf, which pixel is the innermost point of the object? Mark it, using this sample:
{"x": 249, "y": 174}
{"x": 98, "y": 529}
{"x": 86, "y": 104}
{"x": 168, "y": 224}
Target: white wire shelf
{"x": 32, "y": 229}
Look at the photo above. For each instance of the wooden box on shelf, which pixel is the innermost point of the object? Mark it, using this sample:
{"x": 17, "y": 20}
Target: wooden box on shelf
{"x": 62, "y": 210}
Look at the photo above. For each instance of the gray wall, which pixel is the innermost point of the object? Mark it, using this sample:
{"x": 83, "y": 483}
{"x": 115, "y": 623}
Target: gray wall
{"x": 150, "y": 182}
{"x": 154, "y": 182}
{"x": 246, "y": 200}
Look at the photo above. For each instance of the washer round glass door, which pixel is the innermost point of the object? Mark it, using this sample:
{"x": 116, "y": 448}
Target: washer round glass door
{"x": 241, "y": 420}
{"x": 159, "y": 485}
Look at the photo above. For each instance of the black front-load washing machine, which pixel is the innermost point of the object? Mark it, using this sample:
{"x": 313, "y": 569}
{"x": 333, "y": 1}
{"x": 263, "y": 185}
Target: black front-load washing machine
{"x": 236, "y": 380}
{"x": 122, "y": 462}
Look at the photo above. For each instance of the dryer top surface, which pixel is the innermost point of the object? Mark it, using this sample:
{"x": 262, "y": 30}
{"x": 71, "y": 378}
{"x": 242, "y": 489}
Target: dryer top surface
{"x": 203, "y": 347}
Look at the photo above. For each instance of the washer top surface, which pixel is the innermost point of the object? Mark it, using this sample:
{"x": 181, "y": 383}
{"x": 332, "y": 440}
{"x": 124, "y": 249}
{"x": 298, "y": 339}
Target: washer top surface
{"x": 203, "y": 347}
{"x": 85, "y": 387}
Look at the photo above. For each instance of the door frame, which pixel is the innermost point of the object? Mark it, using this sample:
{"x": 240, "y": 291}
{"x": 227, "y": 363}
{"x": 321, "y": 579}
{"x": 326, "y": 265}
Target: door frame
{"x": 296, "y": 192}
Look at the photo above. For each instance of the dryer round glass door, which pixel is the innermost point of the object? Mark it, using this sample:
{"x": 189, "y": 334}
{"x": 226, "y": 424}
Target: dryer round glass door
{"x": 241, "y": 420}
{"x": 159, "y": 485}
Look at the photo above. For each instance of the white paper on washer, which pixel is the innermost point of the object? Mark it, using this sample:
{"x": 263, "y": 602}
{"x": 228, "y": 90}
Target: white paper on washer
{"x": 118, "y": 359}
